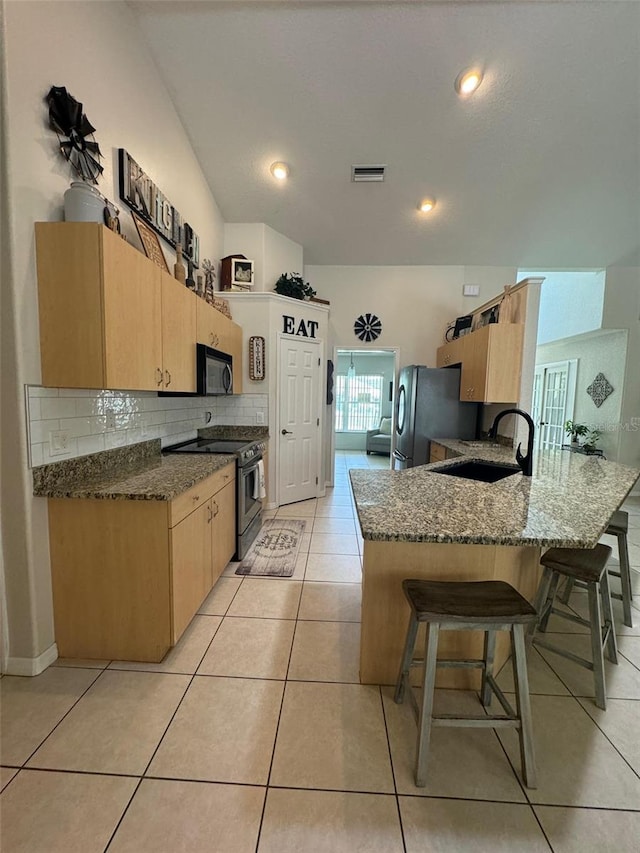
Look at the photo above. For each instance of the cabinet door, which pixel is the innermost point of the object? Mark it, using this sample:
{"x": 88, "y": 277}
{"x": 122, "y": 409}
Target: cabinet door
{"x": 505, "y": 363}
{"x": 473, "y": 381}
{"x": 131, "y": 321}
{"x": 191, "y": 577}
{"x": 450, "y": 353}
{"x": 233, "y": 344}
{"x": 223, "y": 506}
{"x": 208, "y": 325}
{"x": 178, "y": 335}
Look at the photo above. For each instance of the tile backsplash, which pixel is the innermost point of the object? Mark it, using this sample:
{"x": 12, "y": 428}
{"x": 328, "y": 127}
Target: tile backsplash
{"x": 66, "y": 422}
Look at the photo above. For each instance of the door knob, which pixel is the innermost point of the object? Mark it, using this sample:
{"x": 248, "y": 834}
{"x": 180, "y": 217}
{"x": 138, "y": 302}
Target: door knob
{"x": 286, "y": 432}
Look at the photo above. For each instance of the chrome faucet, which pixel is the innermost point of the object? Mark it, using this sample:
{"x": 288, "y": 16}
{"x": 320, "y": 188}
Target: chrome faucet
{"x": 525, "y": 462}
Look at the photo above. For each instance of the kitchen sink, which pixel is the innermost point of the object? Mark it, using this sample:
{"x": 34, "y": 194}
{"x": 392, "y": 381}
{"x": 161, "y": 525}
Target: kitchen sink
{"x": 485, "y": 472}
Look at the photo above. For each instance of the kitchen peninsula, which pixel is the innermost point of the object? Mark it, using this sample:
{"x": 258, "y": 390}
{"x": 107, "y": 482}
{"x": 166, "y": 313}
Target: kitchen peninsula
{"x": 425, "y": 524}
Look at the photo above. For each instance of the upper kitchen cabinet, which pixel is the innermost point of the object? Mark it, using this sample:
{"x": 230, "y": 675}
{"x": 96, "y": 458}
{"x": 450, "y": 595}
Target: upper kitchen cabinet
{"x": 178, "y": 335}
{"x": 491, "y": 360}
{"x": 109, "y": 317}
{"x": 219, "y": 332}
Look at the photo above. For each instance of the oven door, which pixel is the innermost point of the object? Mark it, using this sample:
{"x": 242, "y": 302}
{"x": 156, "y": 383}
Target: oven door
{"x": 249, "y": 501}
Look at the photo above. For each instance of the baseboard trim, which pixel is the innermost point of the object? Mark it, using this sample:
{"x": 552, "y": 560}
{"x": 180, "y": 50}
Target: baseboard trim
{"x": 32, "y": 666}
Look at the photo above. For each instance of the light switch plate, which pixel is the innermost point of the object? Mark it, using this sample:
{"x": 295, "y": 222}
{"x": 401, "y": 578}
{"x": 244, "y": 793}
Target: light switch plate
{"x": 260, "y": 418}
{"x": 471, "y": 290}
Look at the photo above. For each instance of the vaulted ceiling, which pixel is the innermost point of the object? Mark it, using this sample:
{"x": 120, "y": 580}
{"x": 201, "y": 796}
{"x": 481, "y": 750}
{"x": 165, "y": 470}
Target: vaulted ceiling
{"x": 539, "y": 168}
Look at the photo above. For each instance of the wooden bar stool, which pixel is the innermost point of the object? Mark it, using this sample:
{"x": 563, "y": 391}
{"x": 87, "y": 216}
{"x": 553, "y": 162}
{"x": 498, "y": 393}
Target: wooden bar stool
{"x": 618, "y": 527}
{"x": 589, "y": 568}
{"x": 487, "y": 606}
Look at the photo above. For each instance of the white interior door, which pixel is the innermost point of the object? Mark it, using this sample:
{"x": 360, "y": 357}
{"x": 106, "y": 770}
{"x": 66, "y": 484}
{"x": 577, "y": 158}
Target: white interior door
{"x": 553, "y": 401}
{"x": 299, "y": 437}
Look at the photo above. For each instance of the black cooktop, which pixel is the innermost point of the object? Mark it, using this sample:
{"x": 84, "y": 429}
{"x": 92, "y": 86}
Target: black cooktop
{"x": 207, "y": 445}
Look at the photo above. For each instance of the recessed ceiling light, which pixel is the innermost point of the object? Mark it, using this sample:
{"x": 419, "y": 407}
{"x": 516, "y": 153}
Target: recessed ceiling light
{"x": 468, "y": 81}
{"x": 280, "y": 171}
{"x": 427, "y": 205}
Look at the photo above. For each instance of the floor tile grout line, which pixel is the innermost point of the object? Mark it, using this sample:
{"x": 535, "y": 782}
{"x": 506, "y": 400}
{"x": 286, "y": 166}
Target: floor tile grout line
{"x": 275, "y": 738}
{"x": 157, "y": 747}
{"x": 597, "y": 725}
{"x": 393, "y": 770}
{"x": 84, "y": 692}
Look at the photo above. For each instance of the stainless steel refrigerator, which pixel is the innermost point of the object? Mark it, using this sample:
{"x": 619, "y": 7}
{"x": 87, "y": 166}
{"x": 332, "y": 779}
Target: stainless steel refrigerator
{"x": 428, "y": 407}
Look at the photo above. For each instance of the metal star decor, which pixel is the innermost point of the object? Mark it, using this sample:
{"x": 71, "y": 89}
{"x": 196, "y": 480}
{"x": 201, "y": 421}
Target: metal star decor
{"x": 367, "y": 327}
{"x": 600, "y": 389}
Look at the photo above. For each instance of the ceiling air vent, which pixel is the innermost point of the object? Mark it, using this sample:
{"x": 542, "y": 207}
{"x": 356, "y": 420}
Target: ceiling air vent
{"x": 367, "y": 173}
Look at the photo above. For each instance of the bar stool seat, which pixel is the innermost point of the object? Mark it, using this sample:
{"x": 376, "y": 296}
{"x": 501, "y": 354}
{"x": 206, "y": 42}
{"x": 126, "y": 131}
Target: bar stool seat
{"x": 489, "y": 606}
{"x": 618, "y": 526}
{"x": 589, "y": 568}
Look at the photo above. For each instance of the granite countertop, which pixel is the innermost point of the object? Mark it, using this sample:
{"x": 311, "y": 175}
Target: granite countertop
{"x": 137, "y": 472}
{"x": 161, "y": 478}
{"x": 567, "y": 503}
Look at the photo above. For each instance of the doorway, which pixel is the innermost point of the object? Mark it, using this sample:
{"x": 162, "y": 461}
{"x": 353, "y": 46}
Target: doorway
{"x": 299, "y": 420}
{"x": 554, "y": 392}
{"x": 363, "y": 394}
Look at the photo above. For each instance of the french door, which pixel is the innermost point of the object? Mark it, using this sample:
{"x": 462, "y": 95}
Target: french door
{"x": 554, "y": 391}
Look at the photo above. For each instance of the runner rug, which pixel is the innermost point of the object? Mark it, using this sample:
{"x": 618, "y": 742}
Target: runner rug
{"x": 275, "y": 550}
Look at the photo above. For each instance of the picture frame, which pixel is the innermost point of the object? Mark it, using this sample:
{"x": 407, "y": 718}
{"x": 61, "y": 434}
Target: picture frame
{"x": 242, "y": 273}
{"x": 150, "y": 242}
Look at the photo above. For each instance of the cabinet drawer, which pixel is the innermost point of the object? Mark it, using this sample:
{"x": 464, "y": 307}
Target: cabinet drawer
{"x": 199, "y": 494}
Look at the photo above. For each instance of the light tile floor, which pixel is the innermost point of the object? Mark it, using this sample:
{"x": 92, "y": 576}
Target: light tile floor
{"x": 254, "y": 735}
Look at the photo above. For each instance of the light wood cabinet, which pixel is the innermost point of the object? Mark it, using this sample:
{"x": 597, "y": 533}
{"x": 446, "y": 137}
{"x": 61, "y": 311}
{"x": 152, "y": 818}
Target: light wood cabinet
{"x": 109, "y": 317}
{"x": 129, "y": 575}
{"x": 491, "y": 360}
{"x": 223, "y": 529}
{"x": 219, "y": 332}
{"x": 437, "y": 453}
{"x": 451, "y": 353}
{"x": 178, "y": 335}
{"x": 191, "y": 553}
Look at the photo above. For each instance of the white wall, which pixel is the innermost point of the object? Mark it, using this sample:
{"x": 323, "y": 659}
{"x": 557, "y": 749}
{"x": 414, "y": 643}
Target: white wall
{"x": 622, "y": 311}
{"x": 414, "y": 304}
{"x": 571, "y": 302}
{"x": 94, "y": 49}
{"x": 602, "y": 352}
{"x": 272, "y": 252}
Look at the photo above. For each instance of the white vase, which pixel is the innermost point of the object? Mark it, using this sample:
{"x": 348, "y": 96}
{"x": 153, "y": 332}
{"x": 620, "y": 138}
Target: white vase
{"x": 83, "y": 203}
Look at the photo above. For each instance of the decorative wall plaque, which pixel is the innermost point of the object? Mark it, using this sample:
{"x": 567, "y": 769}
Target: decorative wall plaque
{"x": 367, "y": 327}
{"x": 600, "y": 389}
{"x": 257, "y": 369}
{"x": 139, "y": 193}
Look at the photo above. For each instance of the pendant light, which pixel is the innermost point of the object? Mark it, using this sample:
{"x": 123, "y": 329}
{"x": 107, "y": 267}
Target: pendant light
{"x": 351, "y": 372}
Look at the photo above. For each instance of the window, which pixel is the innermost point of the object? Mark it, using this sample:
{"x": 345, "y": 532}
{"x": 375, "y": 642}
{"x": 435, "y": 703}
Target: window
{"x": 358, "y": 402}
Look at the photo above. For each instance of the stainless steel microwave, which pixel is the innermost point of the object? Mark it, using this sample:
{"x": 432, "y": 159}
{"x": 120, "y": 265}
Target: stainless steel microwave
{"x": 214, "y": 372}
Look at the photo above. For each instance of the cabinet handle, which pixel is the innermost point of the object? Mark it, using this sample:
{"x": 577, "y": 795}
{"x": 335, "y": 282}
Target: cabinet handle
{"x": 168, "y": 375}
{"x": 159, "y": 376}
{"x": 196, "y": 497}
{"x": 447, "y": 359}
{"x": 217, "y": 509}
{"x": 210, "y": 516}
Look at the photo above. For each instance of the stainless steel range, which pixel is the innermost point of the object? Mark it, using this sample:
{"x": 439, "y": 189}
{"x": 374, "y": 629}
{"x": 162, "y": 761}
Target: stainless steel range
{"x": 248, "y": 500}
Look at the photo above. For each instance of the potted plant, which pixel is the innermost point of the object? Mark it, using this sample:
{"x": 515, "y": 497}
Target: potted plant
{"x": 293, "y": 285}
{"x": 575, "y": 430}
{"x": 591, "y": 440}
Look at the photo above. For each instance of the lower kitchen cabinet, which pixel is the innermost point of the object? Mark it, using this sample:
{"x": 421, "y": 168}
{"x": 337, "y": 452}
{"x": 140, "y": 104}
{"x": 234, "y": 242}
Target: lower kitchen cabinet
{"x": 129, "y": 575}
